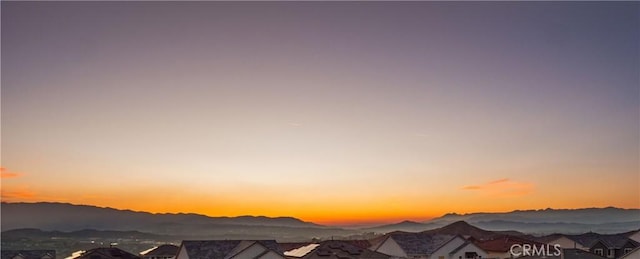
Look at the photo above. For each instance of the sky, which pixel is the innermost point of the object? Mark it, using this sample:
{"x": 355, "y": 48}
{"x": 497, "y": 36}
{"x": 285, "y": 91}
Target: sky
{"x": 331, "y": 112}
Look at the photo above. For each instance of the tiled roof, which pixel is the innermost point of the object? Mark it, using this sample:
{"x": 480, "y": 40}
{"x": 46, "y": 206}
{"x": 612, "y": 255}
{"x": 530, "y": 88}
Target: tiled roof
{"x": 28, "y": 254}
{"x": 271, "y": 245}
{"x": 359, "y": 243}
{"x": 586, "y": 239}
{"x": 163, "y": 250}
{"x": 239, "y": 248}
{"x": 221, "y": 249}
{"x": 419, "y": 243}
{"x": 108, "y": 253}
{"x": 205, "y": 249}
{"x": 335, "y": 249}
{"x": 611, "y": 241}
{"x": 616, "y": 241}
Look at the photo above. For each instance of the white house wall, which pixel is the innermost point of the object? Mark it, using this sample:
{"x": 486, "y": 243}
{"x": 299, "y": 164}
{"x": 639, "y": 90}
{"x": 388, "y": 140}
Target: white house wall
{"x": 182, "y": 254}
{"x": 443, "y": 251}
{"x": 390, "y": 247}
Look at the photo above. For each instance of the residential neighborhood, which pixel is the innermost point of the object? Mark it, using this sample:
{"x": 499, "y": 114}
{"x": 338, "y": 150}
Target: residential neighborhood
{"x": 458, "y": 240}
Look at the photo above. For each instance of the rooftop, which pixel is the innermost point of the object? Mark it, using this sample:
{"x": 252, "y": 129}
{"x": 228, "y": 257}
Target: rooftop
{"x": 221, "y": 249}
{"x": 419, "y": 243}
{"x": 28, "y": 254}
{"x": 334, "y": 249}
{"x": 108, "y": 252}
{"x": 163, "y": 250}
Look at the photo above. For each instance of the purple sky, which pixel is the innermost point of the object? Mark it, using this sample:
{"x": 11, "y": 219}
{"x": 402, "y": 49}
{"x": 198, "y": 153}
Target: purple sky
{"x": 419, "y": 100}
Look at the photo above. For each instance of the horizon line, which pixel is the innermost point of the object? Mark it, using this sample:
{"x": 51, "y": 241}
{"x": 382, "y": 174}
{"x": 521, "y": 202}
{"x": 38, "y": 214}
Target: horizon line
{"x": 337, "y": 223}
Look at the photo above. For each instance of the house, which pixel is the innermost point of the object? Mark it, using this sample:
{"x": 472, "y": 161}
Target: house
{"x": 633, "y": 254}
{"x": 229, "y": 249}
{"x": 333, "y": 249}
{"x": 612, "y": 246}
{"x": 414, "y": 245}
{"x": 166, "y": 251}
{"x": 107, "y": 253}
{"x": 608, "y": 246}
{"x": 563, "y": 241}
{"x": 28, "y": 254}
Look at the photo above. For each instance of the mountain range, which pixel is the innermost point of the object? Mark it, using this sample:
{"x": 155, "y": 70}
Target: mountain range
{"x": 581, "y": 216}
{"x": 69, "y": 217}
{"x": 569, "y": 221}
{"x": 539, "y": 222}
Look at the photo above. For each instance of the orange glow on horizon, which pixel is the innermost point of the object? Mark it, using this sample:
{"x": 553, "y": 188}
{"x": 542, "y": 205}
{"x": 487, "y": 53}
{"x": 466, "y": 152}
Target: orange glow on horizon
{"x": 366, "y": 216}
{"x": 347, "y": 207}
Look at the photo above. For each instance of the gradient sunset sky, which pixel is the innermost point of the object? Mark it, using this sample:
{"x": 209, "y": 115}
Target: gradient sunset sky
{"x": 332, "y": 112}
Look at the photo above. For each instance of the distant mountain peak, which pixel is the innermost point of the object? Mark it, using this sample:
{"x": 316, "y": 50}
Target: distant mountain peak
{"x": 408, "y": 222}
{"x": 465, "y": 229}
{"x": 463, "y": 225}
{"x": 460, "y": 223}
